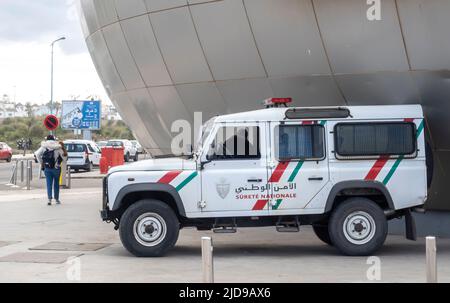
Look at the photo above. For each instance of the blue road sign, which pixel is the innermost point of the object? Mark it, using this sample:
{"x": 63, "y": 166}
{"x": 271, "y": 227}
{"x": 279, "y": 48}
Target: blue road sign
{"x": 81, "y": 115}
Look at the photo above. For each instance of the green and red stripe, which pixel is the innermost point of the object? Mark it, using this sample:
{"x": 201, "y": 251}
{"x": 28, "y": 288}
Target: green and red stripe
{"x": 260, "y": 204}
{"x": 172, "y": 175}
{"x": 281, "y": 168}
{"x": 401, "y": 158}
{"x": 381, "y": 162}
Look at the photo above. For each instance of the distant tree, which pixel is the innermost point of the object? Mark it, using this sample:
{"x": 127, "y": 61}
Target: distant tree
{"x": 29, "y": 109}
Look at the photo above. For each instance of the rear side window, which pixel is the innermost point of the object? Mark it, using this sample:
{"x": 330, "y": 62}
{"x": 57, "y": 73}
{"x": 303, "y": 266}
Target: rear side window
{"x": 375, "y": 139}
{"x": 75, "y": 148}
{"x": 300, "y": 142}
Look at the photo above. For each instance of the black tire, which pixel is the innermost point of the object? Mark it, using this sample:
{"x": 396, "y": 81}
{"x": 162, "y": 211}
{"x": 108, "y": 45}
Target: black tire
{"x": 127, "y": 157}
{"x": 88, "y": 167}
{"x": 136, "y": 157}
{"x": 369, "y": 223}
{"x": 163, "y": 243}
{"x": 8, "y": 159}
{"x": 321, "y": 231}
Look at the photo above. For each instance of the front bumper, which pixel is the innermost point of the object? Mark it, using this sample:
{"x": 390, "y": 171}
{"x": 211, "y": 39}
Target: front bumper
{"x": 105, "y": 214}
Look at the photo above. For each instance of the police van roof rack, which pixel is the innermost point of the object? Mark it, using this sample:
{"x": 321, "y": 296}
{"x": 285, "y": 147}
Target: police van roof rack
{"x": 318, "y": 113}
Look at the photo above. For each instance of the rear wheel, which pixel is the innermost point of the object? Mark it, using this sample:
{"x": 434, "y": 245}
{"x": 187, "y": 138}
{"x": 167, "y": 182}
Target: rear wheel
{"x": 149, "y": 228}
{"x": 127, "y": 157}
{"x": 136, "y": 157}
{"x": 9, "y": 159}
{"x": 321, "y": 231}
{"x": 358, "y": 227}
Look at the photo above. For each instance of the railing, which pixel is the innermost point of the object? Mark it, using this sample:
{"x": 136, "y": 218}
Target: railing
{"x": 24, "y": 167}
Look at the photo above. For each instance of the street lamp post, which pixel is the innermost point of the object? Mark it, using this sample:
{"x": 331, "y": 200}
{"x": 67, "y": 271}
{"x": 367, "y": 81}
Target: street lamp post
{"x": 51, "y": 81}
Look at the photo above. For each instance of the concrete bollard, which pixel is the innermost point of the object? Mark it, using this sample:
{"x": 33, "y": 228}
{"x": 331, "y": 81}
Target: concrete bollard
{"x": 207, "y": 260}
{"x": 31, "y": 170}
{"x": 29, "y": 173}
{"x": 15, "y": 173}
{"x": 431, "y": 260}
{"x": 22, "y": 171}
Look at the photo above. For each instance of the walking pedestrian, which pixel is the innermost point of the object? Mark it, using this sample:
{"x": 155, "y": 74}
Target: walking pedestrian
{"x": 50, "y": 156}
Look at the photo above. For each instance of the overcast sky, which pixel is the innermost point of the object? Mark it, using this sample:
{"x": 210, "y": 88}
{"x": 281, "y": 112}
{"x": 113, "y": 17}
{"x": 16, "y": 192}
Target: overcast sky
{"x": 27, "y": 28}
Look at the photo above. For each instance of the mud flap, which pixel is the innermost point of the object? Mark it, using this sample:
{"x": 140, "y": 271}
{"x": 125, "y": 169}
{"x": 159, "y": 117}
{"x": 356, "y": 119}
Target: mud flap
{"x": 410, "y": 226}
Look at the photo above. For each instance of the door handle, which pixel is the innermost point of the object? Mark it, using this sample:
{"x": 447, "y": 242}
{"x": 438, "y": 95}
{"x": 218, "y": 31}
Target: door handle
{"x": 254, "y": 180}
{"x": 315, "y": 179}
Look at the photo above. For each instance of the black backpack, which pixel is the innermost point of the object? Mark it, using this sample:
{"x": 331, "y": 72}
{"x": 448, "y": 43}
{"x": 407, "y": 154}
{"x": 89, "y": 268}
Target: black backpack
{"x": 48, "y": 159}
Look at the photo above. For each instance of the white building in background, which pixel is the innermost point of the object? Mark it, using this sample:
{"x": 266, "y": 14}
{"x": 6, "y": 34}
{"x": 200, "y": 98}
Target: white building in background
{"x": 110, "y": 113}
{"x": 10, "y": 109}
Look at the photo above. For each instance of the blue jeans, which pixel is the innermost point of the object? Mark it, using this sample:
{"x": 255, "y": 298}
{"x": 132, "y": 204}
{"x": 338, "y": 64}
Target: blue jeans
{"x": 52, "y": 177}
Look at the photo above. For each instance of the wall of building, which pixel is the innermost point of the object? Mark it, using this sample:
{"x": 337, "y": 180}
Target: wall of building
{"x": 163, "y": 60}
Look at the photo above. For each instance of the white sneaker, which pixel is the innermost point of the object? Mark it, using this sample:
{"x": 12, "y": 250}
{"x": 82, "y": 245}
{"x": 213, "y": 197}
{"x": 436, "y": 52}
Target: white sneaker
{"x": 58, "y": 202}
{"x": 49, "y": 202}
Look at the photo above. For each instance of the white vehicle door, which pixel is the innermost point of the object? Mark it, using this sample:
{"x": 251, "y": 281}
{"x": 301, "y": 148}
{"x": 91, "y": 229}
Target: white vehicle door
{"x": 235, "y": 176}
{"x": 299, "y": 167}
{"x": 94, "y": 154}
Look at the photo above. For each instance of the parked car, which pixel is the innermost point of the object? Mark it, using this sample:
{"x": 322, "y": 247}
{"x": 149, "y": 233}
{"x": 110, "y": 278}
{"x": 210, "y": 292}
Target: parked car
{"x": 138, "y": 146}
{"x": 101, "y": 144}
{"x": 82, "y": 154}
{"x": 130, "y": 152}
{"x": 5, "y": 152}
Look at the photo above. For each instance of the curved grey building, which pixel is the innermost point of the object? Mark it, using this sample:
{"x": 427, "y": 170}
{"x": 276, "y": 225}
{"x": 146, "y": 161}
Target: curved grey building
{"x": 162, "y": 60}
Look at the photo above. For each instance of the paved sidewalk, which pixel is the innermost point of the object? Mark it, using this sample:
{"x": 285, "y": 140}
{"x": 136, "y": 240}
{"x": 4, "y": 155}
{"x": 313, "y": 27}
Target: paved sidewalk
{"x": 251, "y": 255}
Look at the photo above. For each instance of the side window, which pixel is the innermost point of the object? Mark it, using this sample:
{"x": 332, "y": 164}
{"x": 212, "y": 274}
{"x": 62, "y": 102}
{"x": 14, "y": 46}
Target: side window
{"x": 375, "y": 139}
{"x": 299, "y": 142}
{"x": 236, "y": 143}
{"x": 91, "y": 149}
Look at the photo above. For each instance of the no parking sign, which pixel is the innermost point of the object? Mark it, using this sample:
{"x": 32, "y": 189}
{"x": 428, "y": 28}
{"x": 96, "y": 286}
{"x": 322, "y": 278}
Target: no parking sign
{"x": 51, "y": 122}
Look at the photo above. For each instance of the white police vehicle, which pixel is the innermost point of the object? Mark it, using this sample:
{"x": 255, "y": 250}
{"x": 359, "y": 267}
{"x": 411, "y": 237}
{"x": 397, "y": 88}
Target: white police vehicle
{"x": 344, "y": 170}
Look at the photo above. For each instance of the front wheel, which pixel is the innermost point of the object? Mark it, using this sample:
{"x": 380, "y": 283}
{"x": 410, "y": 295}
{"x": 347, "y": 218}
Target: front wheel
{"x": 136, "y": 157}
{"x": 358, "y": 227}
{"x": 127, "y": 157}
{"x": 9, "y": 159}
{"x": 149, "y": 228}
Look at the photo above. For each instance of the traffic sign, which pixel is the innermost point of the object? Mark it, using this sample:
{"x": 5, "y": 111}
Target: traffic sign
{"x": 51, "y": 122}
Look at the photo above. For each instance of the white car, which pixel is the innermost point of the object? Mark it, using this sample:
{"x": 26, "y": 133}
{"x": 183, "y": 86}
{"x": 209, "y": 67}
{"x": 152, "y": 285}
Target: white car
{"x": 344, "y": 170}
{"x": 138, "y": 146}
{"x": 130, "y": 151}
{"x": 82, "y": 154}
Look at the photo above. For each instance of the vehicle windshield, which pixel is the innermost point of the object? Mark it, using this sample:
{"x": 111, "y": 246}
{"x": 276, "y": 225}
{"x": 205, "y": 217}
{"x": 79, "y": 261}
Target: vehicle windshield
{"x": 203, "y": 134}
{"x": 75, "y": 148}
{"x": 115, "y": 143}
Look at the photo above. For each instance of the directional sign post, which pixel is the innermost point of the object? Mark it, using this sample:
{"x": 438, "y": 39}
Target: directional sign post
{"x": 51, "y": 122}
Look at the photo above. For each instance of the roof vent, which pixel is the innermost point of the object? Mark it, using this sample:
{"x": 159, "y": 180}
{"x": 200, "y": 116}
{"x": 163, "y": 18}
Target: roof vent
{"x": 317, "y": 113}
